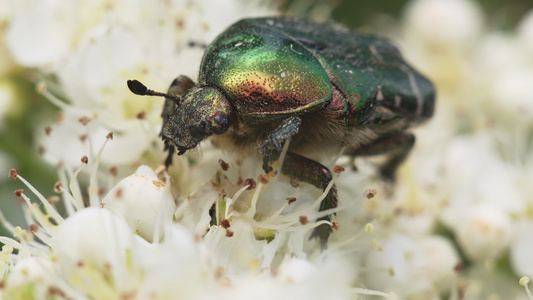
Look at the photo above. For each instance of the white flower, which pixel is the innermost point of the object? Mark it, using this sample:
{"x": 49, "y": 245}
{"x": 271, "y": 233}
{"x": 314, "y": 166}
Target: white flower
{"x": 484, "y": 232}
{"x": 141, "y": 199}
{"x": 21, "y": 281}
{"x": 451, "y": 23}
{"x": 37, "y": 37}
{"x": 178, "y": 268}
{"x": 525, "y": 31}
{"x": 97, "y": 253}
{"x": 443, "y": 262}
{"x": 296, "y": 270}
{"x": 96, "y": 246}
{"x": 521, "y": 260}
{"x": 68, "y": 140}
{"x": 92, "y": 48}
{"x": 486, "y": 281}
{"x": 498, "y": 52}
{"x": 410, "y": 266}
{"x": 512, "y": 87}
{"x": 200, "y": 233}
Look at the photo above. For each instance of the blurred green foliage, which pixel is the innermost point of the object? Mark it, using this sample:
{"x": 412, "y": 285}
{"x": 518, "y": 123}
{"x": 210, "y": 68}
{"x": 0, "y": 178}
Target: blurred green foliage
{"x": 17, "y": 141}
{"x": 361, "y": 13}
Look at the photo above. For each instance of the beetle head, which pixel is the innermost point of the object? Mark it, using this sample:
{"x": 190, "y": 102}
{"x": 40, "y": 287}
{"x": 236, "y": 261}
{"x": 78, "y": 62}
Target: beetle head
{"x": 202, "y": 112}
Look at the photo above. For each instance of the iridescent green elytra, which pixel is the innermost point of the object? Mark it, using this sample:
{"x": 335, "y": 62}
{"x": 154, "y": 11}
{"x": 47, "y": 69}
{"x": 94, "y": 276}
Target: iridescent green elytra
{"x": 267, "y": 80}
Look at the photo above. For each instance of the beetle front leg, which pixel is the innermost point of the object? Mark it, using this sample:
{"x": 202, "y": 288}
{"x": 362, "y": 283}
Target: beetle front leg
{"x": 396, "y": 146}
{"x": 179, "y": 87}
{"x": 283, "y": 132}
{"x": 310, "y": 171}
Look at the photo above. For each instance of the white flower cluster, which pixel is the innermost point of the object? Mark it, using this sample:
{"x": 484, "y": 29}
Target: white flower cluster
{"x": 458, "y": 213}
{"x": 473, "y": 163}
{"x": 137, "y": 243}
{"x": 86, "y": 50}
{"x": 133, "y": 239}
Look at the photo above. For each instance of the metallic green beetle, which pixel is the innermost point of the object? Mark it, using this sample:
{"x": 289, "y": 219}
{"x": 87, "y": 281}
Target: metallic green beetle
{"x": 267, "y": 80}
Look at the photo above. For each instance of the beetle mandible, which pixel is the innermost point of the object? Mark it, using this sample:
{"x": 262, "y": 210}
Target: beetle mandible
{"x": 264, "y": 81}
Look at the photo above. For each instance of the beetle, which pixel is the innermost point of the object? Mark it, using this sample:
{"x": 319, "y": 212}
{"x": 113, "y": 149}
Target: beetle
{"x": 264, "y": 81}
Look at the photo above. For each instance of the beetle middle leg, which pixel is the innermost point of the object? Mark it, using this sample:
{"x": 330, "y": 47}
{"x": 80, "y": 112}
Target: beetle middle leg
{"x": 310, "y": 171}
{"x": 301, "y": 168}
{"x": 396, "y": 146}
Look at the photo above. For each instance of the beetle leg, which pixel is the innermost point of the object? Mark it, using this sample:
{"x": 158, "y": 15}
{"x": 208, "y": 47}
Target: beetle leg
{"x": 310, "y": 171}
{"x": 179, "y": 87}
{"x": 283, "y": 132}
{"x": 396, "y": 146}
{"x": 194, "y": 44}
{"x": 170, "y": 149}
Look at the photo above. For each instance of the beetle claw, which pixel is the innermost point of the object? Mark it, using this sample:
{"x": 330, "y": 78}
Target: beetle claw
{"x": 263, "y": 147}
{"x": 277, "y": 143}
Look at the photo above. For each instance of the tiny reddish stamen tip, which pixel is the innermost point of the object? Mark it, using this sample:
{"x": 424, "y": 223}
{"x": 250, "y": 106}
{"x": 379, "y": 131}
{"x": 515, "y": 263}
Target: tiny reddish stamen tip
{"x": 229, "y": 233}
{"x": 225, "y": 223}
{"x": 141, "y": 115}
{"x": 250, "y": 183}
{"x": 335, "y": 225}
{"x": 13, "y": 174}
{"x": 371, "y": 194}
{"x": 291, "y": 200}
{"x": 85, "y": 159}
{"x": 224, "y": 165}
{"x": 113, "y": 170}
{"x": 34, "y": 228}
{"x": 109, "y": 136}
{"x": 58, "y": 187}
{"x": 338, "y": 169}
{"x": 84, "y": 120}
{"x": 263, "y": 179}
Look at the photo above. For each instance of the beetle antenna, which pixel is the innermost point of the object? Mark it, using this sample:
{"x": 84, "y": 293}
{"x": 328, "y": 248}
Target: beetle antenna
{"x": 138, "y": 88}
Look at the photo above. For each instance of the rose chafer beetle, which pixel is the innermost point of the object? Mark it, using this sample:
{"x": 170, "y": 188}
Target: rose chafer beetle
{"x": 267, "y": 80}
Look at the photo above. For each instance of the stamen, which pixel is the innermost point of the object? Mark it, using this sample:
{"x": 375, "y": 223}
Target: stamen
{"x": 364, "y": 291}
{"x": 43, "y": 90}
{"x": 68, "y": 199}
{"x": 23, "y": 249}
{"x": 253, "y": 205}
{"x": 49, "y": 208}
{"x": 524, "y": 281}
{"x": 94, "y": 199}
{"x": 73, "y": 184}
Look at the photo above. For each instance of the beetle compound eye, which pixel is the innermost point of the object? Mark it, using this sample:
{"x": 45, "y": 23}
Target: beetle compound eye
{"x": 221, "y": 124}
{"x": 221, "y": 120}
